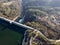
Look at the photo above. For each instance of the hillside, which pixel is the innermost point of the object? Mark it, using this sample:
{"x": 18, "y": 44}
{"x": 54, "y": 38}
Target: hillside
{"x": 43, "y": 15}
{"x": 9, "y": 9}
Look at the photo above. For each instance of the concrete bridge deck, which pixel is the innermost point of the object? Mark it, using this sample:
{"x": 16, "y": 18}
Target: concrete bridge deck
{"x": 14, "y": 25}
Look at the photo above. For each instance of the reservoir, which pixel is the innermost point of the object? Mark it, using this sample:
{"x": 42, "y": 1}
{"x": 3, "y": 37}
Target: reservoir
{"x": 10, "y": 34}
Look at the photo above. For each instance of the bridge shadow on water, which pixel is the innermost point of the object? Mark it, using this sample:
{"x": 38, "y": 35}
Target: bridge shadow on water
{"x": 14, "y": 27}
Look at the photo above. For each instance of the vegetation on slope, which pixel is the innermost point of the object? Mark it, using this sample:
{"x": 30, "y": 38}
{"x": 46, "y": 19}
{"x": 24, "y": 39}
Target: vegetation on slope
{"x": 9, "y": 9}
{"x": 36, "y": 18}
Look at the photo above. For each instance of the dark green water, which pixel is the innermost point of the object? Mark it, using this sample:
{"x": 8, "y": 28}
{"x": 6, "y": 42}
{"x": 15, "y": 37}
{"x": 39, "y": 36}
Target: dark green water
{"x": 8, "y": 36}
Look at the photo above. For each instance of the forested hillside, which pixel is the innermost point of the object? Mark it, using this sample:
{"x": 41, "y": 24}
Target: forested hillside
{"x": 43, "y": 15}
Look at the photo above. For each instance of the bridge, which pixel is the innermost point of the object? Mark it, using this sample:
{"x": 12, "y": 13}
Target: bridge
{"x": 20, "y": 28}
{"x": 14, "y": 25}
